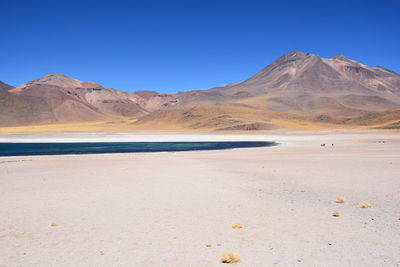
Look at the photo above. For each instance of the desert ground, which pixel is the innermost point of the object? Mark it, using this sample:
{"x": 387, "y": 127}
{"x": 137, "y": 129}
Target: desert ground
{"x": 161, "y": 209}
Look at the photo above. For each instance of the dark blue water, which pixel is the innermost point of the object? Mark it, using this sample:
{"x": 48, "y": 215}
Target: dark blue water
{"x": 30, "y": 149}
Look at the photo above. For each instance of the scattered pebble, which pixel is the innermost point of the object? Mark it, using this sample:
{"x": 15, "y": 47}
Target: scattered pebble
{"x": 53, "y": 224}
{"x": 208, "y": 245}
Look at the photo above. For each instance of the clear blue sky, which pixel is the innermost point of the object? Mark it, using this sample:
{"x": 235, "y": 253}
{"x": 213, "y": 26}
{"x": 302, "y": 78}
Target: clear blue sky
{"x": 172, "y": 46}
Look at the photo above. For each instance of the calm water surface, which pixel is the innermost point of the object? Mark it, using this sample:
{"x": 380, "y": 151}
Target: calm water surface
{"x": 30, "y": 149}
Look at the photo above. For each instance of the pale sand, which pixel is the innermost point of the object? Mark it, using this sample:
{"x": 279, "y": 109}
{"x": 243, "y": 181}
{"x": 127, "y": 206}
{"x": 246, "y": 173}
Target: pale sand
{"x": 160, "y": 209}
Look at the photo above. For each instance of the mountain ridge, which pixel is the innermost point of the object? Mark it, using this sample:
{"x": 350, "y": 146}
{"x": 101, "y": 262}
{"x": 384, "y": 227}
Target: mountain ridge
{"x": 296, "y": 85}
{"x": 5, "y": 87}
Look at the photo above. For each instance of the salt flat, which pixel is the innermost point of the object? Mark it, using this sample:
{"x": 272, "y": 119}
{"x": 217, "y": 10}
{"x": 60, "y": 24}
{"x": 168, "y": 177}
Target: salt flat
{"x": 160, "y": 209}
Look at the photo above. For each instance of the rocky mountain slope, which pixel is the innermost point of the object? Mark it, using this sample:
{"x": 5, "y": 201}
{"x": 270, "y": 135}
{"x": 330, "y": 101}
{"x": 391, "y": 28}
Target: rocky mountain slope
{"x": 4, "y": 86}
{"x": 58, "y": 98}
{"x": 306, "y": 83}
{"x": 297, "y": 89}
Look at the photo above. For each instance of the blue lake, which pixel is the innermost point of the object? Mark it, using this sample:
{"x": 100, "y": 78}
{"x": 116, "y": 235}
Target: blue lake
{"x": 30, "y": 149}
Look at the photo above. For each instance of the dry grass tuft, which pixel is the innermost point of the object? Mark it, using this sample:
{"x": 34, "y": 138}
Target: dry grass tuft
{"x": 53, "y": 224}
{"x": 230, "y": 257}
{"x": 340, "y": 199}
{"x": 335, "y": 213}
{"x": 237, "y": 225}
{"x": 208, "y": 245}
{"x": 366, "y": 205}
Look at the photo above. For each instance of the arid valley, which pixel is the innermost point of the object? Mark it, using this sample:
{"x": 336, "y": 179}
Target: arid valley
{"x": 207, "y": 133}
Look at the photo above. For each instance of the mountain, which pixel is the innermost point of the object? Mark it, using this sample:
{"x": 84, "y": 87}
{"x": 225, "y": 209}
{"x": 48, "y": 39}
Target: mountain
{"x": 306, "y": 83}
{"x": 298, "y": 89}
{"x": 5, "y": 87}
{"x": 58, "y": 98}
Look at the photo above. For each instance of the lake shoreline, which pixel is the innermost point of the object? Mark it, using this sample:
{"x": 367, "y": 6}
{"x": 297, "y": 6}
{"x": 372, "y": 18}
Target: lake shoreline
{"x": 161, "y": 209}
{"x": 75, "y": 148}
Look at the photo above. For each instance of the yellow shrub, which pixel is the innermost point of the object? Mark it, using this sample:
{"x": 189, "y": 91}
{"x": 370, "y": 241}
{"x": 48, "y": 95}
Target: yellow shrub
{"x": 237, "y": 225}
{"x": 340, "y": 199}
{"x": 335, "y": 213}
{"x": 230, "y": 257}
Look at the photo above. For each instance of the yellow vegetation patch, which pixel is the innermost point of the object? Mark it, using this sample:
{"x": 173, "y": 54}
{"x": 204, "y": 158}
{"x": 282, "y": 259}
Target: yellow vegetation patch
{"x": 340, "y": 199}
{"x": 116, "y": 125}
{"x": 366, "y": 205}
{"x": 335, "y": 213}
{"x": 230, "y": 257}
{"x": 237, "y": 225}
{"x": 246, "y": 115}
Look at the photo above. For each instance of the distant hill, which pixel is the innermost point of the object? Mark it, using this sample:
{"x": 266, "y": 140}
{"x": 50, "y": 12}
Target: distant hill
{"x": 298, "y": 89}
{"x": 57, "y": 98}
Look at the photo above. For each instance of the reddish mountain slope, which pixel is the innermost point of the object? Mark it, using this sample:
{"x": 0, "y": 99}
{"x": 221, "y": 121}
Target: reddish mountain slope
{"x": 5, "y": 87}
{"x": 306, "y": 83}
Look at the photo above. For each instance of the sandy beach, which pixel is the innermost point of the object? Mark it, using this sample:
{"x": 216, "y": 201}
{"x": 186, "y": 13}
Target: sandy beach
{"x": 160, "y": 209}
